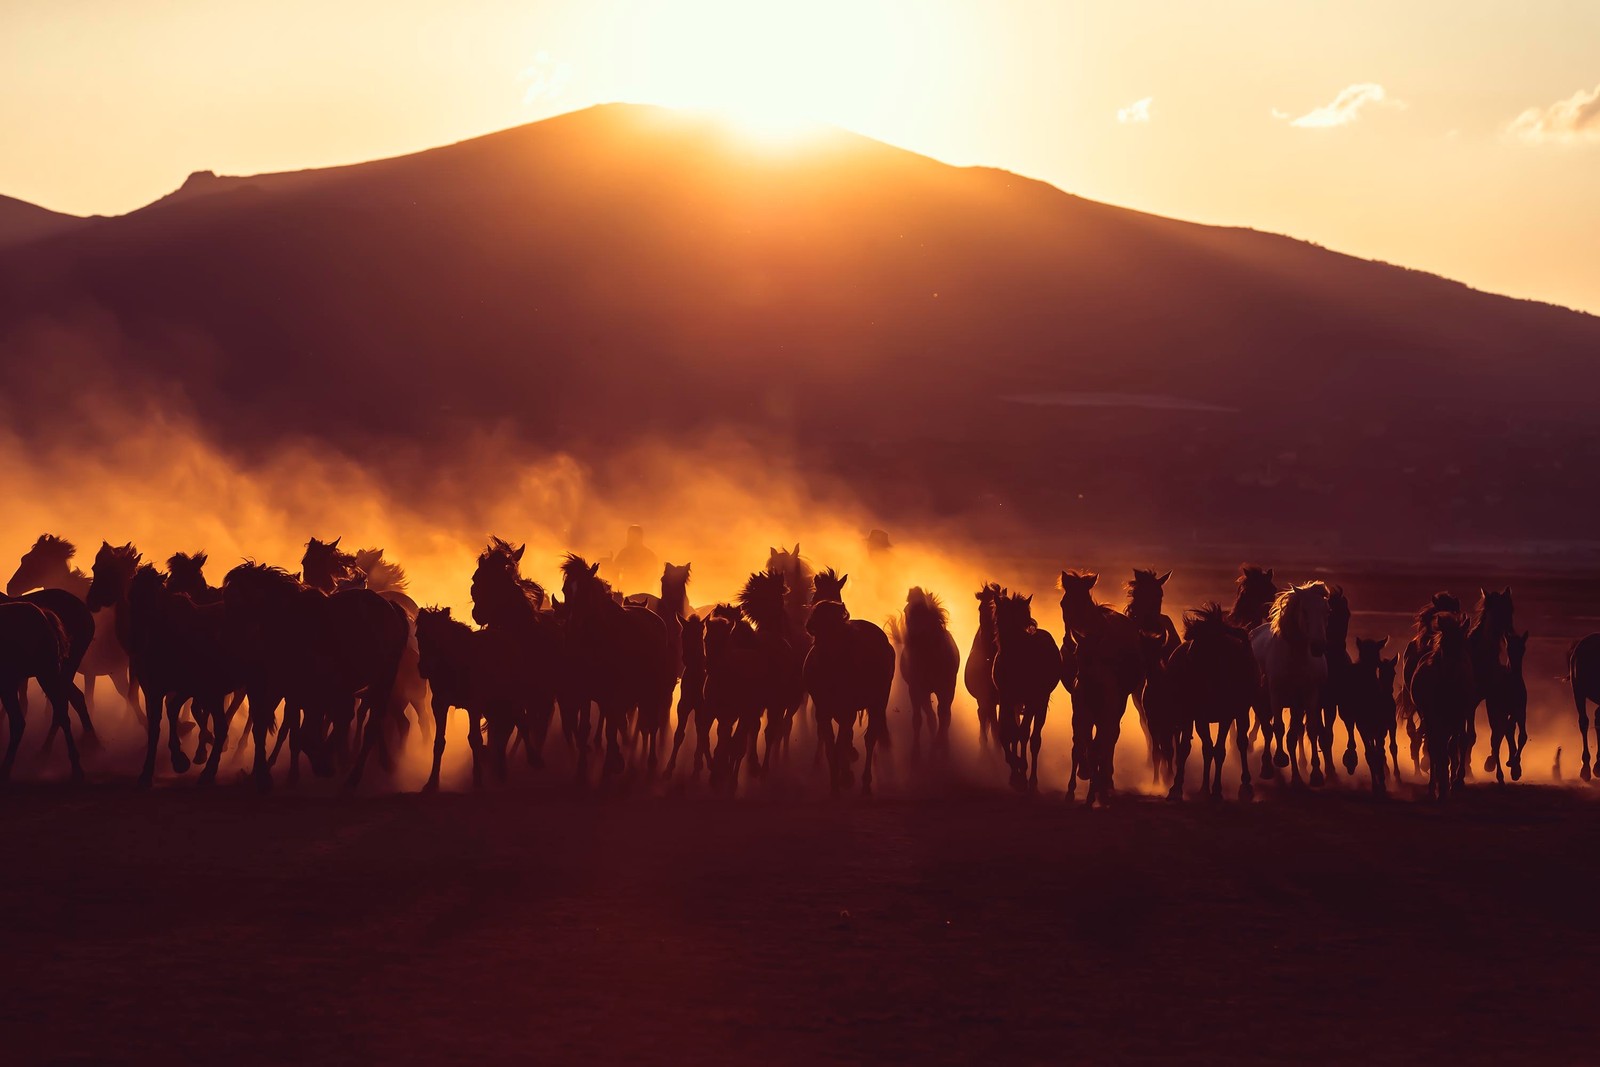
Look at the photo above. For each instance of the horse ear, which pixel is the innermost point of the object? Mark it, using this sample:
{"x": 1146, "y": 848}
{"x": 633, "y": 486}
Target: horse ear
{"x": 1482, "y": 592}
{"x": 1092, "y": 579}
{"x": 771, "y": 550}
{"x": 594, "y": 568}
{"x": 1269, "y": 574}
{"x": 1063, "y": 582}
{"x": 105, "y": 544}
{"x": 1163, "y": 579}
{"x": 335, "y": 542}
{"x": 1506, "y": 592}
{"x": 842, "y": 579}
{"x": 797, "y": 548}
{"x": 1381, "y": 642}
{"x": 517, "y": 555}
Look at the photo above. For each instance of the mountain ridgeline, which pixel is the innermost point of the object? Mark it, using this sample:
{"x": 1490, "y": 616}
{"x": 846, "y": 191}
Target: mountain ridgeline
{"x": 939, "y": 338}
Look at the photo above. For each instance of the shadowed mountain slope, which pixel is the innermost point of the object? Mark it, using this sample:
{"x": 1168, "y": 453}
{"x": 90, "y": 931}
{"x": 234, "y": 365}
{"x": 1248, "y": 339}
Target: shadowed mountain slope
{"x": 940, "y": 336}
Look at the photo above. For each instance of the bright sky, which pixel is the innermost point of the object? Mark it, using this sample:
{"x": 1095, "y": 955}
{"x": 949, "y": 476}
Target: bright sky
{"x": 1457, "y": 136}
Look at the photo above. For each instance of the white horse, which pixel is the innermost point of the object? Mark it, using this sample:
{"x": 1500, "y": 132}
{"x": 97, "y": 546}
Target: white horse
{"x": 1291, "y": 651}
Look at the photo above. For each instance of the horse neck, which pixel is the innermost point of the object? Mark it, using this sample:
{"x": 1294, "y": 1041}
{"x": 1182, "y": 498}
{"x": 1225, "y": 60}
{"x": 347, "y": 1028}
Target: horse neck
{"x": 675, "y": 599}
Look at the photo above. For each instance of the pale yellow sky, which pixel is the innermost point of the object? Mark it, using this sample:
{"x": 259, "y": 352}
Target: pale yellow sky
{"x": 1456, "y": 136}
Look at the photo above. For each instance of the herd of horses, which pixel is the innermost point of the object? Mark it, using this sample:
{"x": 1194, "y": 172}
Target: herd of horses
{"x": 336, "y": 662}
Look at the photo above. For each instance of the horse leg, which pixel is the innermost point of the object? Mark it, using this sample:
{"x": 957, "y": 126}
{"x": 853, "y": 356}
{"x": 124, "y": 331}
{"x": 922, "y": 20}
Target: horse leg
{"x": 1149, "y": 739}
{"x": 152, "y": 738}
{"x": 1080, "y": 730}
{"x": 220, "y": 720}
{"x": 1180, "y": 758}
{"x": 58, "y": 694}
{"x": 1105, "y": 739}
{"x": 180, "y": 760}
{"x": 441, "y": 719}
{"x": 1519, "y": 722}
{"x": 1035, "y": 742}
{"x": 475, "y": 743}
{"x": 1297, "y": 729}
{"x": 614, "y": 720}
{"x": 261, "y": 717}
{"x": 17, "y": 722}
{"x": 1583, "y": 728}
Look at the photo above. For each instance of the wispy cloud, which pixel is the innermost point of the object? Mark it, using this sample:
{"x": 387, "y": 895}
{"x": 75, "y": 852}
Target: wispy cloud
{"x": 1569, "y": 121}
{"x": 1138, "y": 111}
{"x": 1344, "y": 108}
{"x": 545, "y": 78}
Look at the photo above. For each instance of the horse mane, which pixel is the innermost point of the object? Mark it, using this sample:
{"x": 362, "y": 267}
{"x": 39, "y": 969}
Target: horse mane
{"x": 441, "y": 617}
{"x": 1438, "y": 604}
{"x": 179, "y": 559}
{"x": 1283, "y": 616}
{"x": 1210, "y": 620}
{"x": 762, "y": 598}
{"x": 264, "y": 574}
{"x": 382, "y": 575}
{"x": 926, "y": 609}
{"x": 55, "y": 547}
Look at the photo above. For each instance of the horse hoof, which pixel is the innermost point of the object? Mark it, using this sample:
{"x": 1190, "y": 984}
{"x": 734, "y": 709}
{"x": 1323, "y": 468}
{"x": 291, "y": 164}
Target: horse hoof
{"x": 1175, "y": 794}
{"x": 1317, "y": 780}
{"x": 1516, "y": 772}
{"x": 1585, "y": 772}
{"x": 1350, "y": 763}
{"x": 1246, "y": 791}
{"x": 1281, "y": 759}
{"x": 180, "y": 762}
{"x": 145, "y": 781}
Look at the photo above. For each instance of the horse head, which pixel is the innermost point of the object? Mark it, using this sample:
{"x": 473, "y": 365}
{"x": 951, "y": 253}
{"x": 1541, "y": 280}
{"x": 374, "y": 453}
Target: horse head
{"x": 114, "y": 567}
{"x": 324, "y": 566}
{"x": 828, "y": 619}
{"x": 828, "y": 585}
{"x": 46, "y": 563}
{"x": 1145, "y": 593}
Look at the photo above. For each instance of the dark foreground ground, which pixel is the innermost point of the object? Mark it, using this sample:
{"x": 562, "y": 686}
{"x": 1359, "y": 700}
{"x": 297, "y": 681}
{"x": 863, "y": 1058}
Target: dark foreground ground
{"x": 534, "y": 925}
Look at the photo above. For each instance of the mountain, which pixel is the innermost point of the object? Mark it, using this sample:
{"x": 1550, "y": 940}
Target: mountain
{"x": 21, "y": 222}
{"x": 940, "y": 338}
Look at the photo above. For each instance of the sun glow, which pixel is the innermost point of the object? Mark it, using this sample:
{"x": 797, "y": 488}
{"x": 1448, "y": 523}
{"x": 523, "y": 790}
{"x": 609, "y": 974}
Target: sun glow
{"x": 776, "y": 70}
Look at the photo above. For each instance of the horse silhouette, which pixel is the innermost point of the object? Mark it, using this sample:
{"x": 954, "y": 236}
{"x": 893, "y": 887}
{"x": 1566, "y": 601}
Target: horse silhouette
{"x": 930, "y": 659}
{"x": 317, "y": 654}
{"x": 1210, "y": 678}
{"x": 828, "y": 585}
{"x": 767, "y": 605}
{"x": 483, "y": 673}
{"x": 1419, "y": 643}
{"x": 34, "y": 645}
{"x": 799, "y": 581}
{"x": 1445, "y": 694}
{"x": 1027, "y": 669}
{"x": 737, "y": 689}
{"x": 978, "y": 675}
{"x": 848, "y": 670}
{"x": 1368, "y": 704}
{"x": 1291, "y": 650}
{"x": 692, "y": 694}
{"x": 621, "y": 658}
{"x": 77, "y": 621}
{"x": 180, "y": 653}
{"x": 513, "y": 607}
{"x": 1506, "y": 705}
{"x": 1257, "y": 590}
{"x": 672, "y": 606}
{"x": 48, "y": 565}
{"x": 1583, "y": 673}
{"x": 1158, "y": 639}
{"x": 1102, "y": 666}
{"x": 327, "y": 567}
{"x": 186, "y": 574}
{"x": 1492, "y": 624}
{"x": 1336, "y": 692}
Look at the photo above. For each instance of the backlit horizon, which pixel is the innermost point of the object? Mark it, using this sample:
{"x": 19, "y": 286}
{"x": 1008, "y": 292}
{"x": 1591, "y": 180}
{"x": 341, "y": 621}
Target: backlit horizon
{"x": 1460, "y": 141}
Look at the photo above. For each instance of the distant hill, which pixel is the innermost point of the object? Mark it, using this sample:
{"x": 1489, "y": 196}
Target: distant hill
{"x": 941, "y": 338}
{"x": 21, "y": 222}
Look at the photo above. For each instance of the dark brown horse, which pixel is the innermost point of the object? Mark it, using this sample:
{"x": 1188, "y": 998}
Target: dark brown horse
{"x": 77, "y": 621}
{"x": 1027, "y": 669}
{"x": 979, "y": 671}
{"x": 767, "y": 605}
{"x": 1257, "y": 590}
{"x": 1102, "y": 650}
{"x": 317, "y": 654}
{"x": 929, "y": 662}
{"x": 621, "y": 657}
{"x": 48, "y": 565}
{"x": 1369, "y": 704}
{"x": 692, "y": 695}
{"x": 737, "y": 688}
{"x": 1158, "y": 639}
{"x": 828, "y": 585}
{"x": 1583, "y": 673}
{"x": 1444, "y": 692}
{"x": 180, "y": 653}
{"x": 1421, "y": 640}
{"x": 480, "y": 672}
{"x": 186, "y": 574}
{"x": 673, "y": 607}
{"x": 1492, "y": 626}
{"x": 849, "y": 670}
{"x": 513, "y": 607}
{"x": 1506, "y": 705}
{"x": 1210, "y": 678}
{"x": 34, "y": 645}
{"x": 1336, "y": 691}
{"x": 798, "y": 580}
